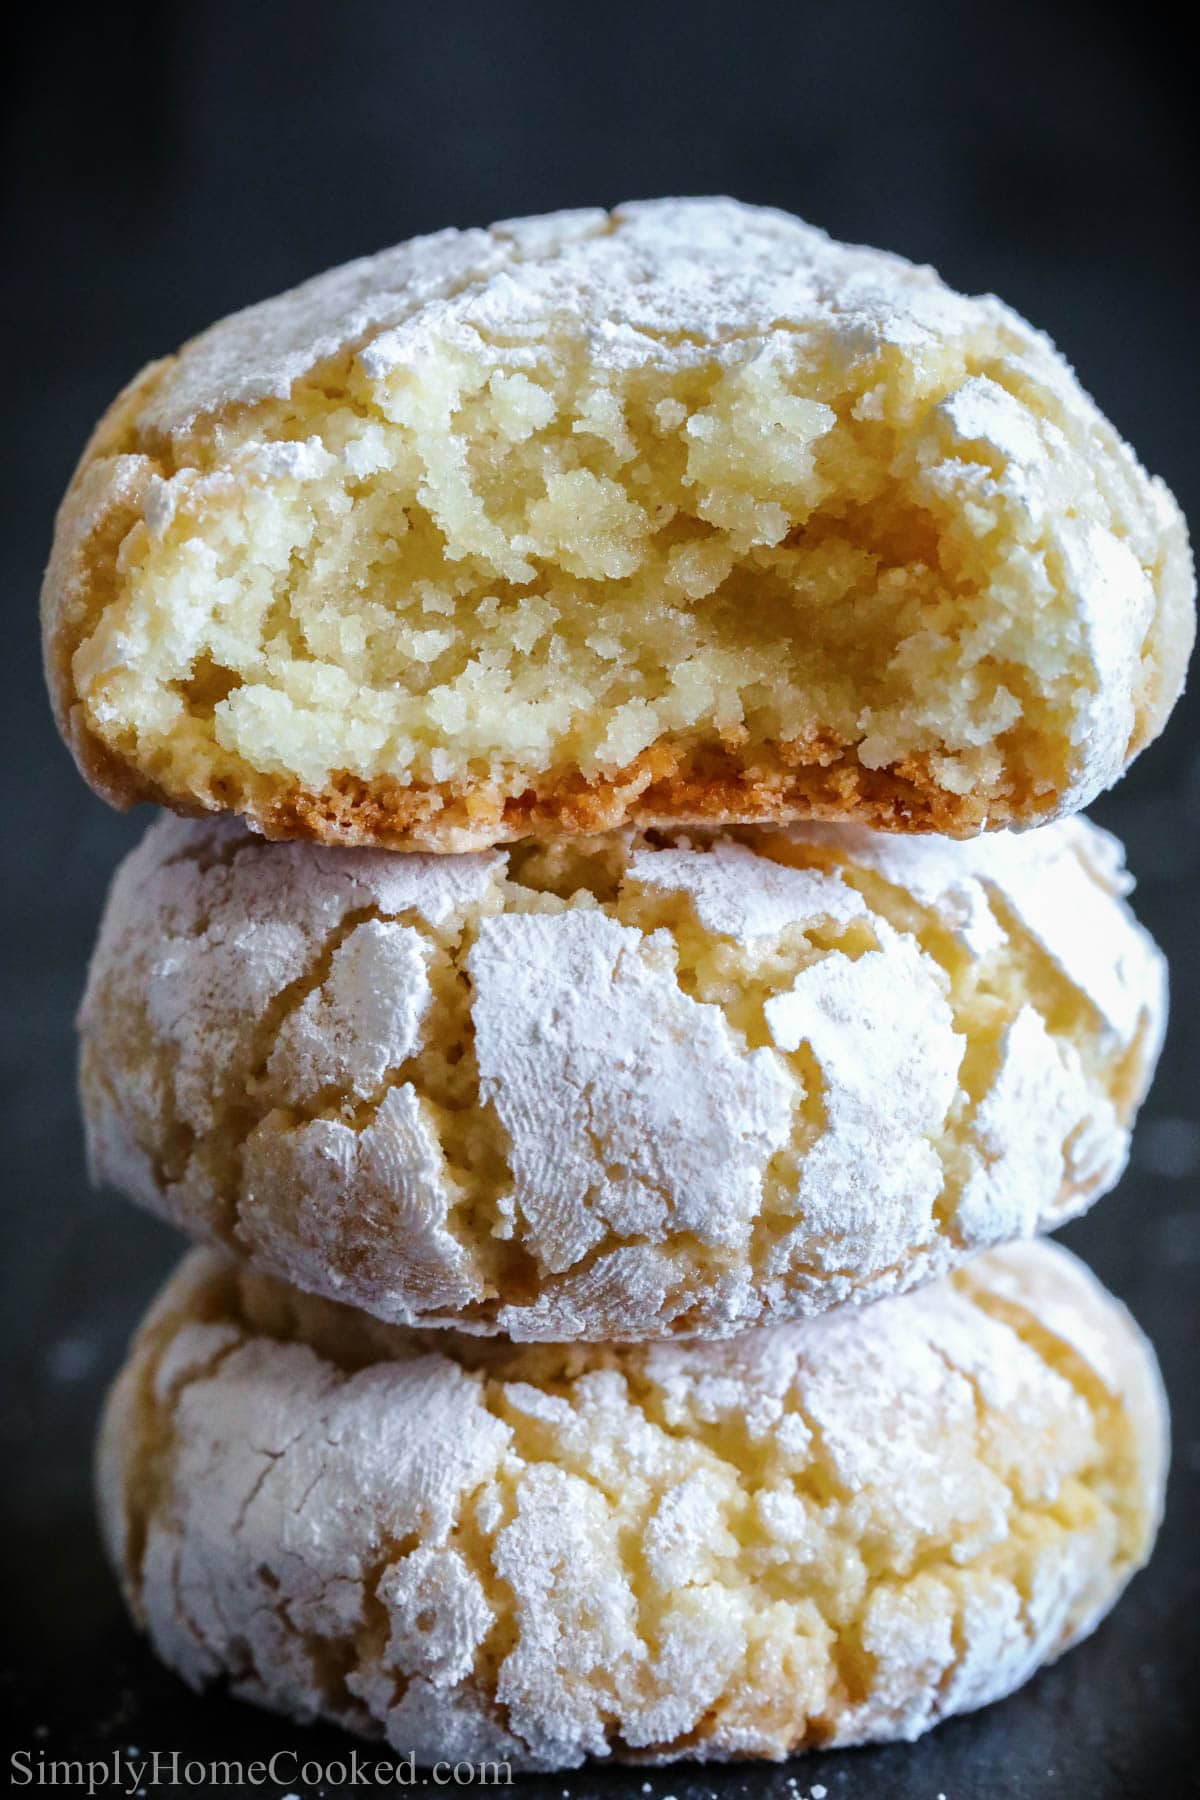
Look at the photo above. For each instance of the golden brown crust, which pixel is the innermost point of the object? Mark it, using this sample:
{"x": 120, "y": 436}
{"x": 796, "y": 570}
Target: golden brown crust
{"x": 102, "y": 503}
{"x": 665, "y": 786}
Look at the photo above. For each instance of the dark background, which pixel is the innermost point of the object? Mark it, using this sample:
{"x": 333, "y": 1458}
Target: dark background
{"x": 165, "y": 164}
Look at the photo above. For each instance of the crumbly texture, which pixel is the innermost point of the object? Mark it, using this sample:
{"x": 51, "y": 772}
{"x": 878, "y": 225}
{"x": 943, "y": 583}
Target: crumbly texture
{"x": 615, "y": 1088}
{"x": 679, "y": 513}
{"x": 820, "y": 1534}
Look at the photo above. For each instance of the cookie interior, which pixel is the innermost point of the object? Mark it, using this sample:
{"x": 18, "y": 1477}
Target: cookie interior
{"x": 530, "y": 583}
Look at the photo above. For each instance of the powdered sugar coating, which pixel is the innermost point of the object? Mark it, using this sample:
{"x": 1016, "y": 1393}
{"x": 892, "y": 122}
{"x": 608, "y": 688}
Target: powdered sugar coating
{"x": 615, "y": 1090}
{"x": 882, "y": 1035}
{"x": 739, "y": 895}
{"x": 631, "y": 1110}
{"x": 827, "y": 1533}
{"x": 1057, "y": 889}
{"x": 653, "y": 282}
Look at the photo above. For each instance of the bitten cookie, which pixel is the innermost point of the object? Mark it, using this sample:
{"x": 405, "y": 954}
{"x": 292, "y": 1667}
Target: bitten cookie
{"x": 682, "y": 513}
{"x": 824, "y": 1533}
{"x": 612, "y": 1089}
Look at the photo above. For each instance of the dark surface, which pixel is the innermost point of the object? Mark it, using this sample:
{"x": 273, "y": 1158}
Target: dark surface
{"x": 165, "y": 164}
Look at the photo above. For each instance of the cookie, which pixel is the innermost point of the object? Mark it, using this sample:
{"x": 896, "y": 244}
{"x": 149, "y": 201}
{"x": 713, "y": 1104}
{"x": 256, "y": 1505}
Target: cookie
{"x": 613, "y": 1088}
{"x": 824, "y": 1533}
{"x": 679, "y": 514}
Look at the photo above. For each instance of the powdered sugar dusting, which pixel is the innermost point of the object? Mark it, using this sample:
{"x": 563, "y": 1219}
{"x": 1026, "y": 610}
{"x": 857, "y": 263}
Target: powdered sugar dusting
{"x": 643, "y": 284}
{"x": 883, "y": 1039}
{"x": 363, "y": 1213}
{"x": 630, "y": 1108}
{"x": 1042, "y": 1083}
{"x": 741, "y": 895}
{"x": 363, "y": 1021}
{"x": 1059, "y": 885}
{"x": 685, "y": 1088}
{"x": 652, "y": 1552}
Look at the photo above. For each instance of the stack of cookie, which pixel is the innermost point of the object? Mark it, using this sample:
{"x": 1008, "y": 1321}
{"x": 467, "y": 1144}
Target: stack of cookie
{"x": 639, "y": 630}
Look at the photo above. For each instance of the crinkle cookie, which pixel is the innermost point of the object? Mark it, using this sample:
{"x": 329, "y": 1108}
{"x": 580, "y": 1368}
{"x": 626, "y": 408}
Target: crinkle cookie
{"x": 824, "y": 1533}
{"x": 608, "y": 1089}
{"x": 679, "y": 513}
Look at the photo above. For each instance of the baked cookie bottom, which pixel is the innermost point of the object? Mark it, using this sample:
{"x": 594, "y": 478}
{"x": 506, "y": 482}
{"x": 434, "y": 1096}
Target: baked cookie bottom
{"x": 822, "y": 1534}
{"x": 668, "y": 785}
